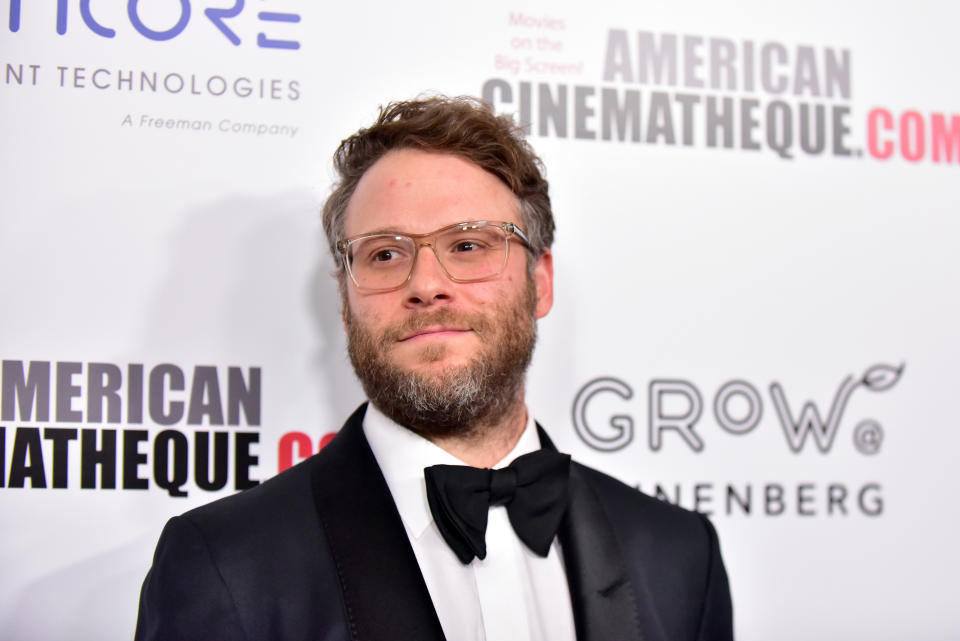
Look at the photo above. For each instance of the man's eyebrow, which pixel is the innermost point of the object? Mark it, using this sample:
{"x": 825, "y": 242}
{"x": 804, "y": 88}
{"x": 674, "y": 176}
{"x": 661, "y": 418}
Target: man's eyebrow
{"x": 396, "y": 232}
{"x": 383, "y": 230}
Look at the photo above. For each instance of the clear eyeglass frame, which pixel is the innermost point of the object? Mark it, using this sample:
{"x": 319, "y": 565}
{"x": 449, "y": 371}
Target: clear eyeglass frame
{"x": 510, "y": 230}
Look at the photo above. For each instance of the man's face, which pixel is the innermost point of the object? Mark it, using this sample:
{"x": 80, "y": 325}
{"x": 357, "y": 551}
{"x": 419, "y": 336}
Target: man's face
{"x": 438, "y": 356}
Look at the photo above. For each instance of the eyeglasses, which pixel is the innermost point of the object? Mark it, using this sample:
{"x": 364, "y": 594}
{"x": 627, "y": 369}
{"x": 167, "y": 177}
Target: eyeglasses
{"x": 467, "y": 252}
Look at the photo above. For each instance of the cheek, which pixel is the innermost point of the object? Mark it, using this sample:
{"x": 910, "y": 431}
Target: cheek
{"x": 485, "y": 293}
{"x": 370, "y": 311}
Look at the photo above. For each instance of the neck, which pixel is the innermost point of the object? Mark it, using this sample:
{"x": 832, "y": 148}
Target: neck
{"x": 485, "y": 445}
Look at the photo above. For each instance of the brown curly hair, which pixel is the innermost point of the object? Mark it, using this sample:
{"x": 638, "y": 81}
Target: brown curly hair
{"x": 463, "y": 126}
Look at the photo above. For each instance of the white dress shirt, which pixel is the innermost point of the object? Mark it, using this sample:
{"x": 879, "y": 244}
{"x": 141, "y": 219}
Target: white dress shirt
{"x": 513, "y": 594}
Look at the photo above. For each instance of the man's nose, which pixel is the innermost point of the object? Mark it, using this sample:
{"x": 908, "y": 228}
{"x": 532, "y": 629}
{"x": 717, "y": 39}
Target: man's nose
{"x": 428, "y": 283}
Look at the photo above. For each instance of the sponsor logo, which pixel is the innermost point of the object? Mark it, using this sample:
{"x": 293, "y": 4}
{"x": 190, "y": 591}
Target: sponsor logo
{"x": 675, "y": 408}
{"x": 169, "y": 21}
{"x": 665, "y": 395}
{"x": 160, "y": 21}
{"x": 674, "y": 89}
{"x": 156, "y": 416}
{"x": 116, "y": 80}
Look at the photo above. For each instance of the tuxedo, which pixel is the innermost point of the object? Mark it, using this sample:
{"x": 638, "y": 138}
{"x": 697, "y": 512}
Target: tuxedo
{"x": 319, "y": 553}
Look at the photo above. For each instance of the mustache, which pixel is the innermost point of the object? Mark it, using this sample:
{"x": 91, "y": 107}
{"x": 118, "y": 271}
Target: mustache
{"x": 476, "y": 322}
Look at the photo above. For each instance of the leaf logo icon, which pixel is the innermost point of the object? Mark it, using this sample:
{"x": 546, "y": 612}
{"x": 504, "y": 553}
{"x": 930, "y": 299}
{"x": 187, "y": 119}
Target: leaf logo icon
{"x": 882, "y": 377}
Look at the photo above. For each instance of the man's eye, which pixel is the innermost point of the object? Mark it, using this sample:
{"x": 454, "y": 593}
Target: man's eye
{"x": 467, "y": 246}
{"x": 383, "y": 256}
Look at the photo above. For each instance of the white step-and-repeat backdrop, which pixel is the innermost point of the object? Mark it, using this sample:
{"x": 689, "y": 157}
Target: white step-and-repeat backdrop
{"x": 757, "y": 276}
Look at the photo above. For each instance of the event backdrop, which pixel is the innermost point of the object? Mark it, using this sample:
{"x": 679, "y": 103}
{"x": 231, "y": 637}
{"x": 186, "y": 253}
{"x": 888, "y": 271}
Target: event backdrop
{"x": 756, "y": 261}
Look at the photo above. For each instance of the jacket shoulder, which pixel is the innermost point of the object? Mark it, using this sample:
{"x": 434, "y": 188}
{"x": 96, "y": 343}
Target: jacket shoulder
{"x": 629, "y": 508}
{"x": 256, "y": 562}
{"x": 673, "y": 557}
{"x": 263, "y": 510}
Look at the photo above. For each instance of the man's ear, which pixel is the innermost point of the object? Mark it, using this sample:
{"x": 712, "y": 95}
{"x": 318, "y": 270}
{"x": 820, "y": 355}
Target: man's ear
{"x": 543, "y": 280}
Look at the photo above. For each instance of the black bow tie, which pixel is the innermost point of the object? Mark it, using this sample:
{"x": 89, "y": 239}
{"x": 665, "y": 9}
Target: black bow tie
{"x": 533, "y": 488}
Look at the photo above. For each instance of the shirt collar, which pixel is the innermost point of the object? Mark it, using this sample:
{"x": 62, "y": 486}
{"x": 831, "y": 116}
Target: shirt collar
{"x": 403, "y": 455}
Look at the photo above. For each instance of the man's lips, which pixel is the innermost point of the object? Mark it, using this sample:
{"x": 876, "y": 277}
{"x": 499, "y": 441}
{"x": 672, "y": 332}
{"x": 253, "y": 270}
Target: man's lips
{"x": 432, "y": 332}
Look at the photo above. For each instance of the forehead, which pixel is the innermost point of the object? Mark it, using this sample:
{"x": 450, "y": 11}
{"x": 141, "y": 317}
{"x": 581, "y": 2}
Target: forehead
{"x": 417, "y": 192}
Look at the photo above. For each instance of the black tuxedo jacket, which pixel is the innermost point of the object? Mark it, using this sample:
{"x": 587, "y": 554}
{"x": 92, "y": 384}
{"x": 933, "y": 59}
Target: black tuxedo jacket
{"x": 319, "y": 553}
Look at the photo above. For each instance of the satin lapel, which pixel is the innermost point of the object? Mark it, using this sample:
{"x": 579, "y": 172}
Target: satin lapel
{"x": 384, "y": 593}
{"x": 601, "y": 593}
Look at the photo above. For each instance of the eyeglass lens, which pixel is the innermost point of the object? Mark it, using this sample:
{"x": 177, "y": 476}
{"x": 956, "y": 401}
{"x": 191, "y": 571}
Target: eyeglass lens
{"x": 466, "y": 252}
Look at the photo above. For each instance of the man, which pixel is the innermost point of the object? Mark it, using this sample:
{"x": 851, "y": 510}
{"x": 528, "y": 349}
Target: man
{"x": 442, "y": 227}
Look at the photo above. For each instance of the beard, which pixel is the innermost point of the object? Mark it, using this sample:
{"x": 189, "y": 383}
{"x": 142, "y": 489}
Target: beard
{"x": 456, "y": 400}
